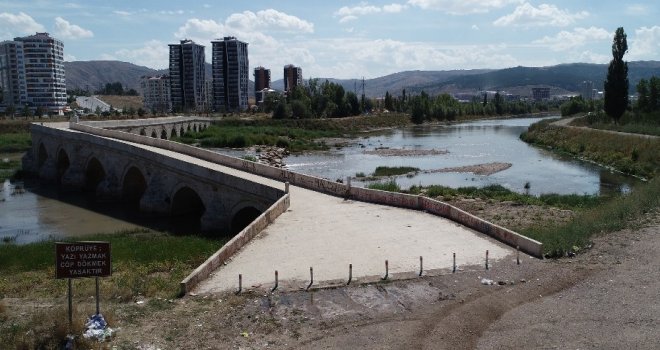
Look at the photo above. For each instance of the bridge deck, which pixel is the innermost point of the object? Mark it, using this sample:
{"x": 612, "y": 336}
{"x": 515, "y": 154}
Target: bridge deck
{"x": 328, "y": 233}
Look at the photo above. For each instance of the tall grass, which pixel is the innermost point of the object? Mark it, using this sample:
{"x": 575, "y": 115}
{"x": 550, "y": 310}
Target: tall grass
{"x": 610, "y": 216}
{"x": 15, "y": 142}
{"x": 390, "y": 186}
{"x": 629, "y": 154}
{"x": 501, "y": 193}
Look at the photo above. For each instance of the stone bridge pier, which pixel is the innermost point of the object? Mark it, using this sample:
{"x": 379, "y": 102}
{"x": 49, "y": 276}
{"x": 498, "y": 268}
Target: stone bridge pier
{"x": 176, "y": 189}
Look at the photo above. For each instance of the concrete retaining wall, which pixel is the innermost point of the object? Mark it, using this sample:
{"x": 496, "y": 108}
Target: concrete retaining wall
{"x": 234, "y": 245}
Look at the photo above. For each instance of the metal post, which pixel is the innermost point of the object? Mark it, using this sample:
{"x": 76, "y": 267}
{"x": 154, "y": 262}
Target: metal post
{"x": 517, "y": 255}
{"x": 97, "y": 296}
{"x": 286, "y": 187}
{"x": 276, "y": 282}
{"x": 454, "y": 268}
{"x": 70, "y": 306}
{"x": 486, "y": 259}
{"x": 311, "y": 277}
{"x": 387, "y": 270}
{"x": 240, "y": 284}
{"x": 350, "y": 273}
{"x": 421, "y": 266}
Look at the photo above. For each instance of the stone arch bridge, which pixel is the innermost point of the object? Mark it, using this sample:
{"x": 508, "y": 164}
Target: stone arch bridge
{"x": 145, "y": 180}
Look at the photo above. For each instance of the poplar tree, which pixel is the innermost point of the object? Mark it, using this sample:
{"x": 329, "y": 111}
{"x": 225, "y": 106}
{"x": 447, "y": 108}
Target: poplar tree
{"x": 616, "y": 84}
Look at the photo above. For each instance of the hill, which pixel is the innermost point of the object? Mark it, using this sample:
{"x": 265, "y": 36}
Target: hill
{"x": 564, "y": 78}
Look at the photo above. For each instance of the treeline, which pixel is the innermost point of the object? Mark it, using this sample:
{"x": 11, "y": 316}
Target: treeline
{"x": 645, "y": 110}
{"x": 314, "y": 100}
{"x": 116, "y": 89}
{"x": 424, "y": 107}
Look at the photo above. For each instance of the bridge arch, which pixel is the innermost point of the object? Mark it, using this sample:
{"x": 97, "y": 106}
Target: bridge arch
{"x": 163, "y": 134}
{"x": 242, "y": 218}
{"x": 134, "y": 184}
{"x": 42, "y": 155}
{"x": 63, "y": 164}
{"x": 154, "y": 134}
{"x": 143, "y": 132}
{"x": 94, "y": 174}
{"x": 175, "y": 132}
{"x": 186, "y": 210}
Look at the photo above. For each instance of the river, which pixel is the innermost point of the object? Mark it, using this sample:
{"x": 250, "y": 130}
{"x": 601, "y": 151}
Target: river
{"x": 48, "y": 213}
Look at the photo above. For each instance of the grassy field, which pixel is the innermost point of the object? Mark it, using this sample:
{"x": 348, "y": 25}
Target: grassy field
{"x": 629, "y": 154}
{"x": 122, "y": 102}
{"x": 634, "y": 123}
{"x": 145, "y": 263}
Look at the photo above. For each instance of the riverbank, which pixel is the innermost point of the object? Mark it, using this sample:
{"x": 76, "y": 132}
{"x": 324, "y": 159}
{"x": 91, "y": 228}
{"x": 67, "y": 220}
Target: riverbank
{"x": 629, "y": 154}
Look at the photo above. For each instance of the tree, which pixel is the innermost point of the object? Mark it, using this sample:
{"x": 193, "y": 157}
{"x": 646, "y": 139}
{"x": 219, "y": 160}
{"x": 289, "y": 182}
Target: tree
{"x": 616, "y": 83}
{"x": 643, "y": 93}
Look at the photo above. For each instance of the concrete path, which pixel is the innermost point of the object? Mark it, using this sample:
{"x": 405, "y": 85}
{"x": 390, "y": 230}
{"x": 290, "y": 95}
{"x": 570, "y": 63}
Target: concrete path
{"x": 328, "y": 233}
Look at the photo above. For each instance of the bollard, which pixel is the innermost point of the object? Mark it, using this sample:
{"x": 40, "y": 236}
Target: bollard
{"x": 486, "y": 259}
{"x": 348, "y": 181}
{"x": 421, "y": 266}
{"x": 387, "y": 270}
{"x": 286, "y": 187}
{"x": 276, "y": 282}
{"x": 311, "y": 278}
{"x": 517, "y": 255}
{"x": 350, "y": 273}
{"x": 453, "y": 270}
{"x": 240, "y": 284}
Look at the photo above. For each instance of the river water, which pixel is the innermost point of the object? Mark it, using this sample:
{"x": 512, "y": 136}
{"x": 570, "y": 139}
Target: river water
{"x": 48, "y": 213}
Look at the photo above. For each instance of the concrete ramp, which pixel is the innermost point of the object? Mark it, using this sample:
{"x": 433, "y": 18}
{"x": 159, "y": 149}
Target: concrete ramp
{"x": 329, "y": 233}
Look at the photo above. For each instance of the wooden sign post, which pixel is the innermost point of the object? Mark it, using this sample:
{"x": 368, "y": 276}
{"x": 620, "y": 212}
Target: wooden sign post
{"x": 82, "y": 259}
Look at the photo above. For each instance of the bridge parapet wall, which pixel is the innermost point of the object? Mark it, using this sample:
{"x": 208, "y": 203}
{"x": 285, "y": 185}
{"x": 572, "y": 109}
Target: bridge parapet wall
{"x": 435, "y": 207}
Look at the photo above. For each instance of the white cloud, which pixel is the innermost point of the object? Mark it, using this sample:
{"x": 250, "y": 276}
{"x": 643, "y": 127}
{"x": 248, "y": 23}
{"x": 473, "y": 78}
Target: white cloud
{"x": 646, "y": 44}
{"x": 592, "y": 57}
{"x": 67, "y": 30}
{"x": 566, "y": 40}
{"x": 475, "y": 27}
{"x": 12, "y": 25}
{"x": 268, "y": 20}
{"x": 526, "y": 15}
{"x": 171, "y": 12}
{"x": 122, "y": 13}
{"x": 69, "y": 58}
{"x": 154, "y": 54}
{"x": 462, "y": 7}
{"x": 347, "y": 14}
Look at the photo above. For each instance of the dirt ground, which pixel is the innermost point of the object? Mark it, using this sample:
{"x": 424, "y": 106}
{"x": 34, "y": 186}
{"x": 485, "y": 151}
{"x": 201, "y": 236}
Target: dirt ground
{"x": 605, "y": 298}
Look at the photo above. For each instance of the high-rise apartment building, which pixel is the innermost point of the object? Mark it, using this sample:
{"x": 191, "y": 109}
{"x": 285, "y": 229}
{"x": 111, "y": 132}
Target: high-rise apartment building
{"x": 261, "y": 83}
{"x": 32, "y": 73}
{"x": 187, "y": 76}
{"x": 156, "y": 92}
{"x": 587, "y": 90}
{"x": 230, "y": 67}
{"x": 292, "y": 77}
{"x": 12, "y": 75}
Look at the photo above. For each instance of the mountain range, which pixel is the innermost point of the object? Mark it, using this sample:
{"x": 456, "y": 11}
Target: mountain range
{"x": 562, "y": 79}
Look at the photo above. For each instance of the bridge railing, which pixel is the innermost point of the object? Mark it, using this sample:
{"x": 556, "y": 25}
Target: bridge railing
{"x": 435, "y": 207}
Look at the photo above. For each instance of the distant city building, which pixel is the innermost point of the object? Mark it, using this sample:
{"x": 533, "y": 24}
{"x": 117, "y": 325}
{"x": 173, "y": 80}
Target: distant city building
{"x": 208, "y": 96}
{"x": 292, "y": 77}
{"x": 187, "y": 76}
{"x": 540, "y": 94}
{"x": 32, "y": 73}
{"x": 156, "y": 92}
{"x": 261, "y": 83}
{"x": 12, "y": 75}
{"x": 587, "y": 90}
{"x": 230, "y": 69}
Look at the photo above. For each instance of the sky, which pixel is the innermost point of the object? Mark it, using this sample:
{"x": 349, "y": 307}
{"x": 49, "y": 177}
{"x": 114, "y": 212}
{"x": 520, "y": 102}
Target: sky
{"x": 347, "y": 39}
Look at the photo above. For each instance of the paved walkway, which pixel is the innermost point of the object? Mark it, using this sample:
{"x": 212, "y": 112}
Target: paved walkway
{"x": 565, "y": 122}
{"x": 328, "y": 233}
